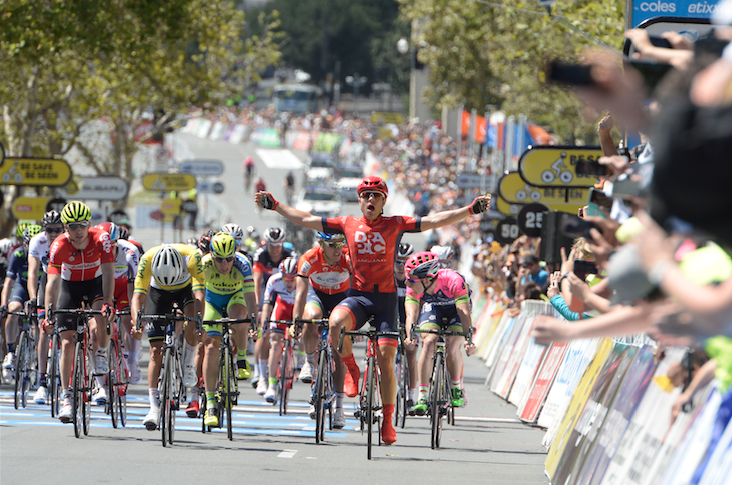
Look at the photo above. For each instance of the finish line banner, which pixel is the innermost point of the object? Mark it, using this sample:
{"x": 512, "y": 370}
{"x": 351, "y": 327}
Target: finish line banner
{"x": 681, "y": 9}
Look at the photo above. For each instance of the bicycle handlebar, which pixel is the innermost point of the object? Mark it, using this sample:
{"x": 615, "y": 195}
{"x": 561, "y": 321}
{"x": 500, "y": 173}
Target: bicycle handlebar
{"x": 448, "y": 333}
{"x": 371, "y": 333}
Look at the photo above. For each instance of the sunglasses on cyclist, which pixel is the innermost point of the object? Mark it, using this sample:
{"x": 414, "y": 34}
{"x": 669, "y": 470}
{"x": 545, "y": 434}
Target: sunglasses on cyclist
{"x": 368, "y": 195}
{"x": 224, "y": 260}
{"x": 289, "y": 279}
{"x": 55, "y": 230}
{"x": 335, "y": 244}
{"x": 414, "y": 281}
{"x": 77, "y": 225}
{"x": 399, "y": 263}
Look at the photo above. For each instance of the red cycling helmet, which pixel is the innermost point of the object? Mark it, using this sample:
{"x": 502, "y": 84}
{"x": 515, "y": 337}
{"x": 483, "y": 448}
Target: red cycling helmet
{"x": 373, "y": 184}
{"x": 422, "y": 265}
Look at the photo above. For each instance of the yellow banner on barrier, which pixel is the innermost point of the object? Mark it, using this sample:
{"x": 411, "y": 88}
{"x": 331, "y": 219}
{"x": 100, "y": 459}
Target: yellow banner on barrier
{"x": 383, "y": 118}
{"x": 579, "y": 399}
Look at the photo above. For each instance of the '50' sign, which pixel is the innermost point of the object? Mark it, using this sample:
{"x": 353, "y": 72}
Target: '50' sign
{"x": 370, "y": 243}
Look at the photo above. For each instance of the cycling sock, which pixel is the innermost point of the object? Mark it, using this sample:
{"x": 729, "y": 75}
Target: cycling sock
{"x": 210, "y": 400}
{"x": 256, "y": 369}
{"x": 350, "y": 362}
{"x": 411, "y": 394}
{"x": 154, "y": 398}
{"x": 43, "y": 380}
{"x": 68, "y": 393}
{"x": 101, "y": 380}
{"x": 423, "y": 391}
{"x": 311, "y": 358}
{"x": 11, "y": 348}
{"x": 272, "y": 381}
{"x": 190, "y": 354}
{"x": 455, "y": 384}
{"x": 388, "y": 412}
{"x": 241, "y": 354}
{"x": 339, "y": 399}
{"x": 263, "y": 369}
{"x": 194, "y": 394}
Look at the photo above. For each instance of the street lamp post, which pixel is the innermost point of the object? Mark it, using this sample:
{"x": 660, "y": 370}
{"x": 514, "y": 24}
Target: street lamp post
{"x": 356, "y": 81}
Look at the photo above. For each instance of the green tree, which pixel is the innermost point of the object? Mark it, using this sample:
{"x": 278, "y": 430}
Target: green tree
{"x": 481, "y": 54}
{"x": 79, "y": 66}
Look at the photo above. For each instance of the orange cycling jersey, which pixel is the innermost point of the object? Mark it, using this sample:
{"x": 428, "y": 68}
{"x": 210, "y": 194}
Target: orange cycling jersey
{"x": 329, "y": 279}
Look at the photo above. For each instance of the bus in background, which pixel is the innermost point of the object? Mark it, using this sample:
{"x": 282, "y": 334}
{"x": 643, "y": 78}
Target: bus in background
{"x": 297, "y": 98}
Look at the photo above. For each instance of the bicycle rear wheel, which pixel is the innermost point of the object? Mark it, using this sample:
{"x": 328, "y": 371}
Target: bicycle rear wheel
{"x": 121, "y": 391}
{"x": 319, "y": 396}
{"x": 435, "y": 401}
{"x": 371, "y": 387}
{"x": 112, "y": 384}
{"x": 55, "y": 383}
{"x": 286, "y": 373}
{"x": 21, "y": 370}
{"x": 77, "y": 389}
{"x": 226, "y": 381}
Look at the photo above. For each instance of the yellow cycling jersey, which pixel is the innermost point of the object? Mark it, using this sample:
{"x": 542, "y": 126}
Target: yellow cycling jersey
{"x": 239, "y": 278}
{"x": 194, "y": 274}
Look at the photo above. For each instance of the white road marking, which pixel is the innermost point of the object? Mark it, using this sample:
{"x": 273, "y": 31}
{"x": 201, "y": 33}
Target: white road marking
{"x": 279, "y": 158}
{"x": 287, "y": 454}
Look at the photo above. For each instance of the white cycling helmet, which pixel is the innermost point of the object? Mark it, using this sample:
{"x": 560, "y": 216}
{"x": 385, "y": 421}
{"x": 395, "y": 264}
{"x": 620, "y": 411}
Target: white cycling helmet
{"x": 167, "y": 266}
{"x": 445, "y": 254}
{"x": 275, "y": 235}
{"x": 288, "y": 267}
{"x": 236, "y": 232}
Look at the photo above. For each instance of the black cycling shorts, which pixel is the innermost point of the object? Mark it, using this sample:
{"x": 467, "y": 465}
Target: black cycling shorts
{"x": 160, "y": 303}
{"x": 72, "y": 295}
{"x": 382, "y": 306}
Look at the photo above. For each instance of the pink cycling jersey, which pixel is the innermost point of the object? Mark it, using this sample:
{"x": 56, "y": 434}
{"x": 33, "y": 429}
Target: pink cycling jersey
{"x": 450, "y": 288}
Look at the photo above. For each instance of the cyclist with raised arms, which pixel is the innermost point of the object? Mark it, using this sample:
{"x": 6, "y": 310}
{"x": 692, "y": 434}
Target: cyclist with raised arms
{"x": 126, "y": 261}
{"x": 14, "y": 296}
{"x": 38, "y": 250}
{"x": 403, "y": 253}
{"x": 443, "y": 294}
{"x": 229, "y": 291}
{"x": 80, "y": 270}
{"x": 177, "y": 276}
{"x": 279, "y": 299}
{"x": 266, "y": 264}
{"x": 324, "y": 276}
{"x": 372, "y": 240}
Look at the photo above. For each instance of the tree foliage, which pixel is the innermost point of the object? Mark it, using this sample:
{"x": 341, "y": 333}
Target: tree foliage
{"x": 68, "y": 64}
{"x": 481, "y": 54}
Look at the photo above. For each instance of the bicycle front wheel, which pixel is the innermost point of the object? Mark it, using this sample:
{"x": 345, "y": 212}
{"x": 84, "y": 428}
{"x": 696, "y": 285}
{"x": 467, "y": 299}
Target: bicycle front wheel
{"x": 112, "y": 384}
{"x": 319, "y": 396}
{"x": 86, "y": 397}
{"x": 55, "y": 383}
{"x": 436, "y": 397}
{"x": 164, "y": 392}
{"x": 21, "y": 370}
{"x": 228, "y": 391}
{"x": 286, "y": 374}
{"x": 371, "y": 383}
{"x": 77, "y": 389}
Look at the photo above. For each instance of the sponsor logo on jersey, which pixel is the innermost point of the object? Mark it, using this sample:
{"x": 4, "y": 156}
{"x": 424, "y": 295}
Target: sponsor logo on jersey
{"x": 370, "y": 243}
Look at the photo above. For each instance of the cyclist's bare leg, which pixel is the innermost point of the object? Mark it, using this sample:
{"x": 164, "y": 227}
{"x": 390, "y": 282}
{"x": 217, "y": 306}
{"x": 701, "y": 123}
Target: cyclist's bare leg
{"x": 42, "y": 349}
{"x": 68, "y": 340}
{"x": 275, "y": 353}
{"x": 425, "y": 358}
{"x": 341, "y": 318}
{"x": 211, "y": 363}
{"x": 156, "y": 363}
{"x": 339, "y": 373}
{"x": 241, "y": 330}
{"x": 385, "y": 358}
{"x": 12, "y": 327}
{"x": 98, "y": 326}
{"x": 455, "y": 356}
{"x": 412, "y": 366}
{"x": 310, "y": 330}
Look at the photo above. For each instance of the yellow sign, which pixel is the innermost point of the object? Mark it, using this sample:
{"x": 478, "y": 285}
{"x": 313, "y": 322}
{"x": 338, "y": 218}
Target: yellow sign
{"x": 561, "y": 166}
{"x": 385, "y": 134}
{"x": 171, "y": 206}
{"x": 42, "y": 172}
{"x": 386, "y": 118}
{"x": 163, "y": 181}
{"x": 515, "y": 190}
{"x": 506, "y": 208}
{"x": 30, "y": 207}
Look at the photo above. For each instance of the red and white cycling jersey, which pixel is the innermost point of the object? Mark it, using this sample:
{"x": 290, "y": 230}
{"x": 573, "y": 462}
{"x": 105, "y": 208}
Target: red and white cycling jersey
{"x": 80, "y": 265}
{"x": 372, "y": 247}
{"x": 127, "y": 260}
{"x": 329, "y": 279}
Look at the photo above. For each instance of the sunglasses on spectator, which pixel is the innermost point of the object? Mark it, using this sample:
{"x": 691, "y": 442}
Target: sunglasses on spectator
{"x": 54, "y": 229}
{"x": 368, "y": 195}
{"x": 224, "y": 260}
{"x": 335, "y": 244}
{"x": 77, "y": 225}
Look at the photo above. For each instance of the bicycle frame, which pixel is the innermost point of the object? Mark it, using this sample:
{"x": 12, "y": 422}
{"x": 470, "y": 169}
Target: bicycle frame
{"x": 323, "y": 389}
{"x": 286, "y": 371}
{"x": 26, "y": 365}
{"x": 117, "y": 378}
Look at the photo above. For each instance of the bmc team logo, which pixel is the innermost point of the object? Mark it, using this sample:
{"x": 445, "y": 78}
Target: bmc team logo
{"x": 370, "y": 243}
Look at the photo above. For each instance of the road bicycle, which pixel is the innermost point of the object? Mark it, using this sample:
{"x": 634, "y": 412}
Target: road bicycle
{"x": 26, "y": 361}
{"x": 369, "y": 411}
{"x": 170, "y": 383}
{"x": 118, "y": 375}
{"x": 82, "y": 377}
{"x": 439, "y": 399}
{"x": 323, "y": 389}
{"x": 227, "y": 386}
{"x": 286, "y": 372}
{"x": 402, "y": 374}
{"x": 54, "y": 373}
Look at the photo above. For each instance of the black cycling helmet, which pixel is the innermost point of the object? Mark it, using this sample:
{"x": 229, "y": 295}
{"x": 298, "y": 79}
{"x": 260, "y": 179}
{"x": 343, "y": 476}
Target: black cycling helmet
{"x": 204, "y": 244}
{"x": 51, "y": 217}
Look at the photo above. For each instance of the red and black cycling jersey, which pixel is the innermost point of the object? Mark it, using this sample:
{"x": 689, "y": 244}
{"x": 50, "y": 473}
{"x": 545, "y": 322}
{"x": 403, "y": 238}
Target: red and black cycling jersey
{"x": 263, "y": 263}
{"x": 372, "y": 246}
{"x": 80, "y": 265}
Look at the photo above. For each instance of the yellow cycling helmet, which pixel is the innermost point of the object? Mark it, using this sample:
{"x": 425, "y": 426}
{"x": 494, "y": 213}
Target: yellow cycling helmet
{"x": 75, "y": 212}
{"x": 223, "y": 245}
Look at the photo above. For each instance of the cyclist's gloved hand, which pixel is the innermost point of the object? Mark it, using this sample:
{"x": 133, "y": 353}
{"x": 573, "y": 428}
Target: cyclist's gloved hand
{"x": 480, "y": 204}
{"x": 47, "y": 326}
{"x": 109, "y": 310}
{"x": 269, "y": 202}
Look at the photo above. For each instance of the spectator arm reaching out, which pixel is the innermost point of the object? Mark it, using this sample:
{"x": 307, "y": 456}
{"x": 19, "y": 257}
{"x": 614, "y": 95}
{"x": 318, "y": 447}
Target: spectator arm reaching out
{"x": 623, "y": 321}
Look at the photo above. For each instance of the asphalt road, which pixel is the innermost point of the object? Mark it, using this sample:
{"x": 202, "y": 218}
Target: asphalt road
{"x": 488, "y": 444}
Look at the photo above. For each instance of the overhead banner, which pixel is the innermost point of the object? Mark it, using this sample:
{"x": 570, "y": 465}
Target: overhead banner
{"x": 644, "y": 10}
{"x": 163, "y": 181}
{"x": 566, "y": 166}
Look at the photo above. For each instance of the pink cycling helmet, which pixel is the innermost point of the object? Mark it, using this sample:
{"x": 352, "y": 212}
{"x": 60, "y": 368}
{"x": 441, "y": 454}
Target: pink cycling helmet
{"x": 422, "y": 265}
